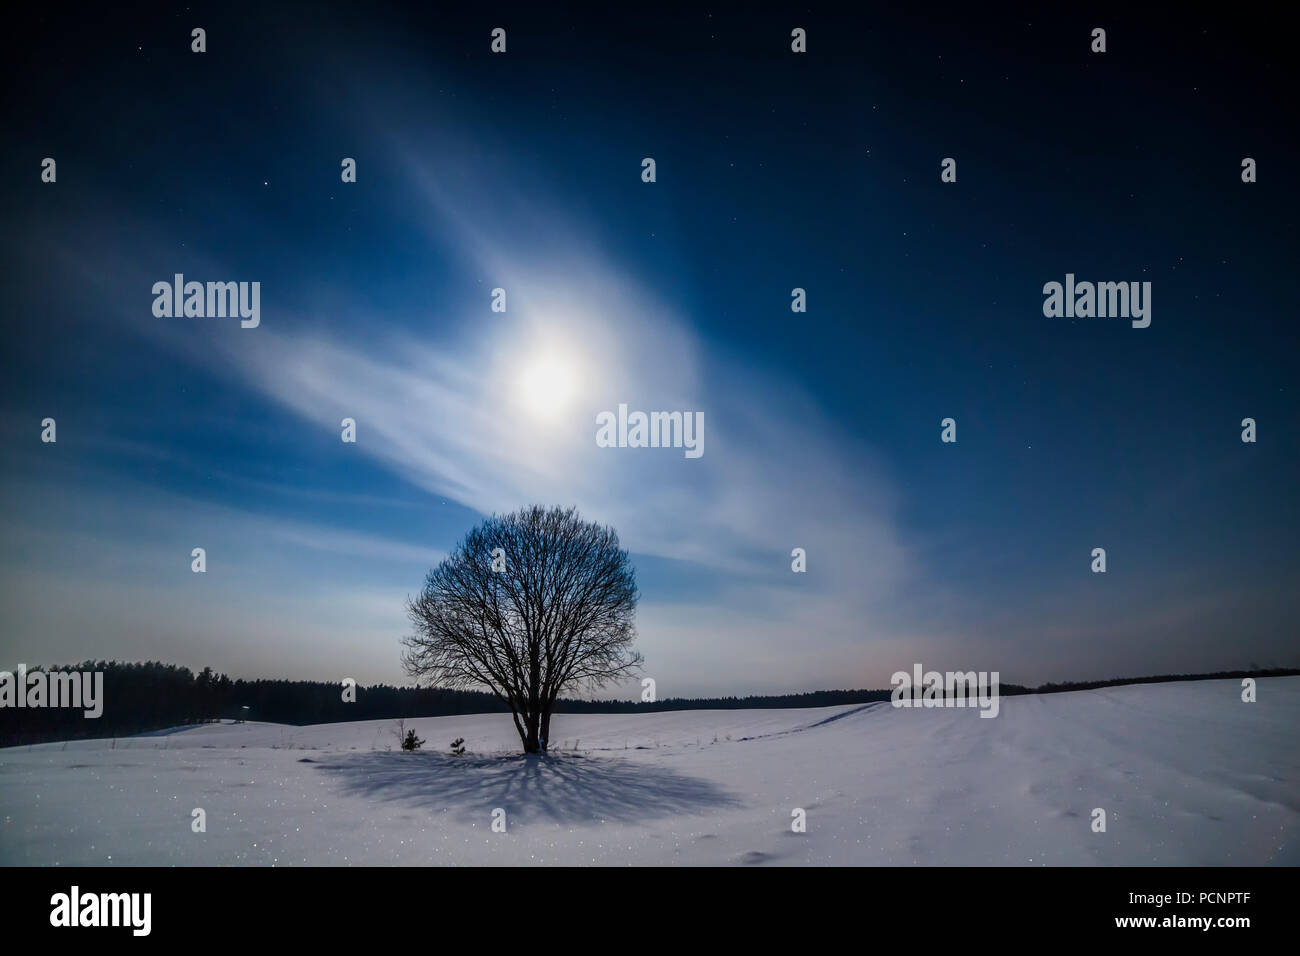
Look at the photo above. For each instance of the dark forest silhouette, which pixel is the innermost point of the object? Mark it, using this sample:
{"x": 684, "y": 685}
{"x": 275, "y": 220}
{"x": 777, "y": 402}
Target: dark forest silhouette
{"x": 142, "y": 697}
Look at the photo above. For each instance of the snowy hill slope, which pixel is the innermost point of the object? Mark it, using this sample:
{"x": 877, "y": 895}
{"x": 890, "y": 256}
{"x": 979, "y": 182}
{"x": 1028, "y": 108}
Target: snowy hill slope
{"x": 1186, "y": 772}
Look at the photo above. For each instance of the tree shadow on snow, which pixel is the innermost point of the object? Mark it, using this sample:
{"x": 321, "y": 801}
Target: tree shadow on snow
{"x": 531, "y": 789}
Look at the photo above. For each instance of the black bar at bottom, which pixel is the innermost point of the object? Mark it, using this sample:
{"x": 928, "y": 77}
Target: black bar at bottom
{"x": 306, "y": 905}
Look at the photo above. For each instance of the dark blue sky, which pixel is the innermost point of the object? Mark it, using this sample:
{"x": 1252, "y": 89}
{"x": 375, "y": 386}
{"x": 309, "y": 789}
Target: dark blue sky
{"x": 775, "y": 171}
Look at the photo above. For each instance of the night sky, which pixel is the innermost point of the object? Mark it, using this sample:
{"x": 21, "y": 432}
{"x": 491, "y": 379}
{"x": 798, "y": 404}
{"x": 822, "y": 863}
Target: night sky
{"x": 775, "y": 171}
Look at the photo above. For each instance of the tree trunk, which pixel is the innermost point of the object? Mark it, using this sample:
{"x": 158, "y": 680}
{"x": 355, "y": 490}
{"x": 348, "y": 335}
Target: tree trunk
{"x": 529, "y": 736}
{"x": 546, "y": 731}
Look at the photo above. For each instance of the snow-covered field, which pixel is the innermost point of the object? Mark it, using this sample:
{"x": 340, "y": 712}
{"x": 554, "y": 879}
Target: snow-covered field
{"x": 1187, "y": 774}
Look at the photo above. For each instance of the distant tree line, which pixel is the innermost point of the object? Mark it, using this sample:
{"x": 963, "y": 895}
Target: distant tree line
{"x": 141, "y": 697}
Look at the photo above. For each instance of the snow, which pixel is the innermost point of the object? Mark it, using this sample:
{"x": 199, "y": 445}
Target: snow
{"x": 1187, "y": 773}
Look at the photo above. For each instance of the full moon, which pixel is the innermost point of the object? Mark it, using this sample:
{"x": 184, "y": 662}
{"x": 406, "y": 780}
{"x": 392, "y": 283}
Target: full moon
{"x": 547, "y": 385}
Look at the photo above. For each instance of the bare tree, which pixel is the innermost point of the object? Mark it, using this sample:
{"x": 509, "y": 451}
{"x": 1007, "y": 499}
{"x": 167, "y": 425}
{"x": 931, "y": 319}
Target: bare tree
{"x": 529, "y": 604}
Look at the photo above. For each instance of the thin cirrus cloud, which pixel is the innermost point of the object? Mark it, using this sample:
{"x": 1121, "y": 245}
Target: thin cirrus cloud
{"x": 446, "y": 406}
{"x": 444, "y": 410}
{"x": 450, "y": 408}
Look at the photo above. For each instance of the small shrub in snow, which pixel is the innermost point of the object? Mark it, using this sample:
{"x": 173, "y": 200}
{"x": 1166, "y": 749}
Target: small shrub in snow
{"x": 458, "y": 746}
{"x": 411, "y": 742}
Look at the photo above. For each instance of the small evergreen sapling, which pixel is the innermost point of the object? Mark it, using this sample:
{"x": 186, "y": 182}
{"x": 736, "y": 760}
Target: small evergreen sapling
{"x": 411, "y": 742}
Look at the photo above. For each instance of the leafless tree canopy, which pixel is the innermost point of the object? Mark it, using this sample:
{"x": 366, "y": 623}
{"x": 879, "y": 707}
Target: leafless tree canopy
{"x": 556, "y": 615}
